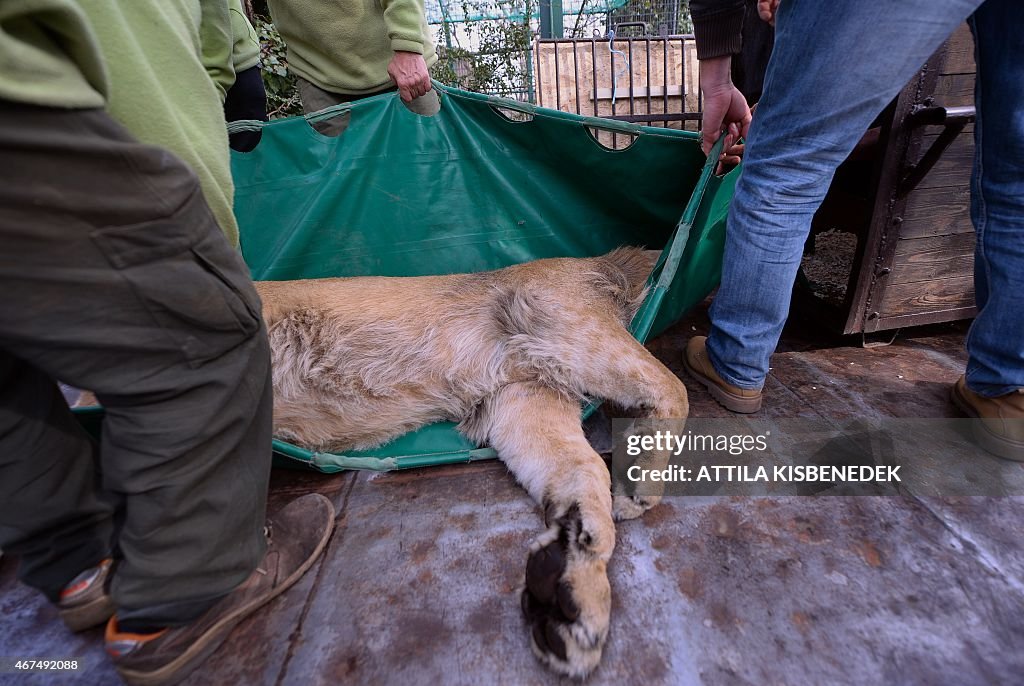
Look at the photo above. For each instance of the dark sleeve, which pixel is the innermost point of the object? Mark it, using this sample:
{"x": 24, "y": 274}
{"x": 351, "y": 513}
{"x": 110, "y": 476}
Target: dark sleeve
{"x": 717, "y": 26}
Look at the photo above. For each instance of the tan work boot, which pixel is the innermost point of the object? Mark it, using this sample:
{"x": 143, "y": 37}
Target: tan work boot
{"x": 296, "y": 537}
{"x": 85, "y": 602}
{"x": 696, "y": 361}
{"x": 1001, "y": 429}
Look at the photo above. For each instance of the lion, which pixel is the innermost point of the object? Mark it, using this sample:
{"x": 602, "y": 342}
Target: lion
{"x": 508, "y": 355}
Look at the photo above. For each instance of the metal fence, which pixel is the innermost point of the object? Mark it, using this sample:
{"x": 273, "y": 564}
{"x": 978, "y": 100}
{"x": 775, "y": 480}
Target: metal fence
{"x": 650, "y": 80}
{"x": 624, "y": 53}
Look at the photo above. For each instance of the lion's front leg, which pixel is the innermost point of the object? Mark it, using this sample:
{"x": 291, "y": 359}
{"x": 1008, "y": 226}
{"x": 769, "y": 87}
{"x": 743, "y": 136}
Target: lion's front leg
{"x": 619, "y": 368}
{"x": 567, "y": 598}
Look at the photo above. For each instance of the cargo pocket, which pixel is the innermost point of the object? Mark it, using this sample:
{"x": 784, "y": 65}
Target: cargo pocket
{"x": 193, "y": 284}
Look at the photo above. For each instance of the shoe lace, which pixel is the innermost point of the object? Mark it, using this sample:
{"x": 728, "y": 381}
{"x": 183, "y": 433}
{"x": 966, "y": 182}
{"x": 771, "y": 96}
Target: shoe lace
{"x": 268, "y": 534}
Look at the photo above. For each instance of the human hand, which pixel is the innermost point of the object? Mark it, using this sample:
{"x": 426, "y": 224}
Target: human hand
{"x": 733, "y": 155}
{"x": 409, "y": 72}
{"x": 730, "y": 158}
{"x": 725, "y": 108}
{"x": 766, "y": 9}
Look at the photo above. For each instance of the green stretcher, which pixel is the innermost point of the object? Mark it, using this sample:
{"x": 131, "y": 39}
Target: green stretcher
{"x": 484, "y": 184}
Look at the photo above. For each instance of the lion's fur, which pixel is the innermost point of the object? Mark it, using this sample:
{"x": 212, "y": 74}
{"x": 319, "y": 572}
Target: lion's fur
{"x": 358, "y": 361}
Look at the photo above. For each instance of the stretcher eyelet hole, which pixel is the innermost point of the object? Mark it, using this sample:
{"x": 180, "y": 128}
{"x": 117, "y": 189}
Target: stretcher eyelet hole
{"x": 612, "y": 141}
{"x": 512, "y": 115}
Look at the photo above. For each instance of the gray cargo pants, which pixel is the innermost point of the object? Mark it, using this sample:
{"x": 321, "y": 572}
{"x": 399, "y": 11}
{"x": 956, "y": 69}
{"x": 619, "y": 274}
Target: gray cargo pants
{"x": 115, "y": 277}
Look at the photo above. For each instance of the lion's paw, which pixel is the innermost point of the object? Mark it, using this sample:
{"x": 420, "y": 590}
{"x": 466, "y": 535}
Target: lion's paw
{"x": 567, "y": 598}
{"x": 632, "y": 506}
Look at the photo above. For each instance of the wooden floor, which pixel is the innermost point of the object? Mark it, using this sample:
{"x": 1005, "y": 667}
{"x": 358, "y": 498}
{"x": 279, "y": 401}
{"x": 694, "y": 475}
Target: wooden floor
{"x": 418, "y": 585}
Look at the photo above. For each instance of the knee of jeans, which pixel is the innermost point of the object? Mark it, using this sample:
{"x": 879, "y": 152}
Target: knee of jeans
{"x": 787, "y": 172}
{"x": 788, "y": 185}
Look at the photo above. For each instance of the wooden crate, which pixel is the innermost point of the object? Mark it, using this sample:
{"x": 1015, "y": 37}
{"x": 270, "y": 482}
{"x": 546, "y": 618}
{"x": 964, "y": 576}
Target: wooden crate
{"x": 915, "y": 255}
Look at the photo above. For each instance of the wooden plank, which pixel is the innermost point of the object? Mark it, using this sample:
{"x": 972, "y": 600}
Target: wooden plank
{"x": 638, "y": 92}
{"x": 928, "y": 259}
{"x": 923, "y": 318}
{"x": 928, "y": 296}
{"x": 954, "y": 167}
{"x": 936, "y": 130}
{"x": 960, "y": 52}
{"x": 954, "y": 90}
{"x": 959, "y": 243}
{"x": 923, "y": 268}
{"x": 937, "y": 212}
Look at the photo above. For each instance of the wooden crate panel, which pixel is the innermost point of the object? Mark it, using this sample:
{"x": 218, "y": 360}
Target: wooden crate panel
{"x": 927, "y": 259}
{"x": 567, "y": 74}
{"x": 582, "y": 77}
{"x": 924, "y": 238}
{"x": 927, "y": 296}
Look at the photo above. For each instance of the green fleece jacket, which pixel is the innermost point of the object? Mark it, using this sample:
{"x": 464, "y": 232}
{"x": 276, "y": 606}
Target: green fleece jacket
{"x": 167, "y": 68}
{"x": 345, "y": 46}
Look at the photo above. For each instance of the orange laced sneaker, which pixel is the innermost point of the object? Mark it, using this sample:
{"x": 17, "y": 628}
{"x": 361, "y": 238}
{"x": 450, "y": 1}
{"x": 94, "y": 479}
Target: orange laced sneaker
{"x": 85, "y": 602}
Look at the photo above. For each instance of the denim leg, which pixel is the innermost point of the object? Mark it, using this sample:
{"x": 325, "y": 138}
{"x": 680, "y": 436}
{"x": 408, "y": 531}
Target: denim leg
{"x": 995, "y": 343}
{"x": 834, "y": 67}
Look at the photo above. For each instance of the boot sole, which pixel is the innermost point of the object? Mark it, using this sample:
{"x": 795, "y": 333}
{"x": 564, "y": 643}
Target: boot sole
{"x": 730, "y": 401}
{"x": 88, "y": 615}
{"x": 205, "y": 645}
{"x": 1000, "y": 446}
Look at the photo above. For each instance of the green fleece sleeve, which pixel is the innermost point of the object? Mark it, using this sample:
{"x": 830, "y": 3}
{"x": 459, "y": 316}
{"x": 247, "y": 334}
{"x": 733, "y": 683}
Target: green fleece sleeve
{"x": 245, "y": 53}
{"x": 217, "y": 42}
{"x": 49, "y": 55}
{"x": 404, "y": 20}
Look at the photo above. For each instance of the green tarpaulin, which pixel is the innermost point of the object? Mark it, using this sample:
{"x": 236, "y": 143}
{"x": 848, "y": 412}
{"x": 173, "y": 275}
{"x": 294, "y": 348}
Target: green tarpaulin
{"x": 483, "y": 184}
{"x": 472, "y": 189}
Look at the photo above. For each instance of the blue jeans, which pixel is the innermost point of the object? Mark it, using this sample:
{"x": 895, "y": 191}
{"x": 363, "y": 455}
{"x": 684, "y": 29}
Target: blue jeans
{"x": 835, "y": 66}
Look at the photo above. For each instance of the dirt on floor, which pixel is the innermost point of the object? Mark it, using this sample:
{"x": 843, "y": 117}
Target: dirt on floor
{"x": 827, "y": 268}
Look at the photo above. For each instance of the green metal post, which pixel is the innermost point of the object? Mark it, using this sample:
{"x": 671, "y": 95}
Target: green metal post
{"x": 531, "y": 95}
{"x": 551, "y": 19}
{"x": 445, "y": 22}
{"x": 545, "y": 18}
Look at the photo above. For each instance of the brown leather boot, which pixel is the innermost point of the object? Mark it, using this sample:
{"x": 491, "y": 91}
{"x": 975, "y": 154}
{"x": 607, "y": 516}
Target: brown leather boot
{"x": 296, "y": 537}
{"x": 696, "y": 361}
{"x": 1001, "y": 429}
